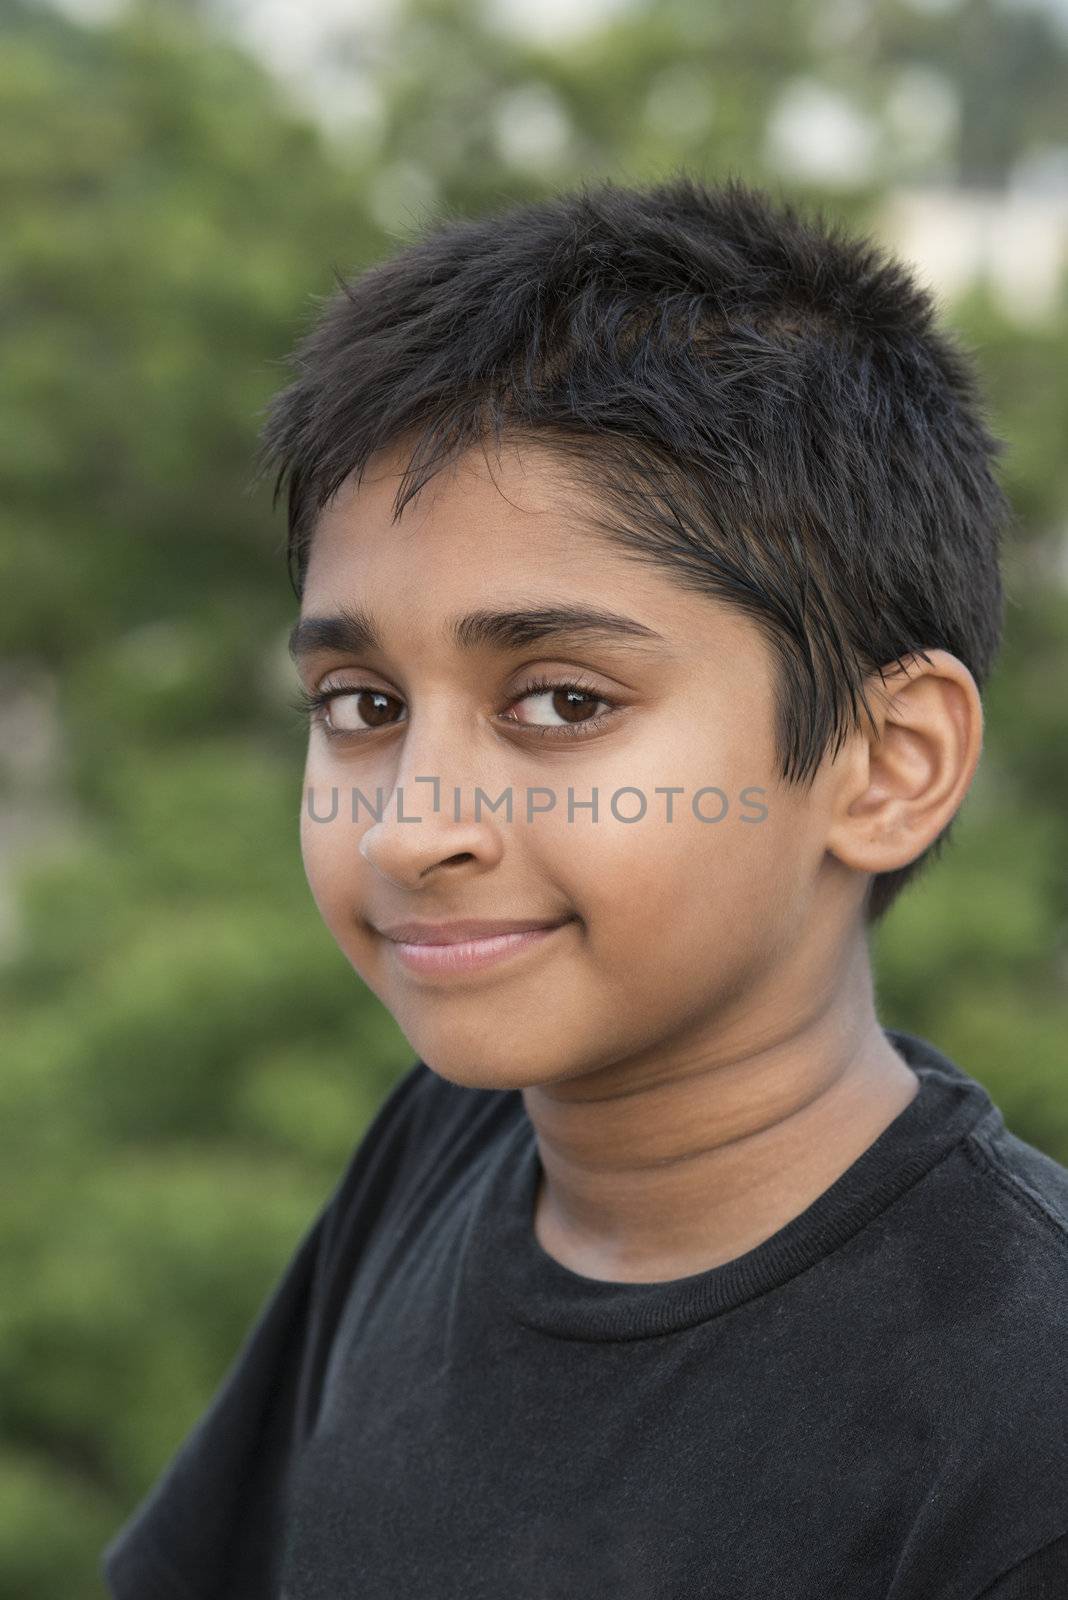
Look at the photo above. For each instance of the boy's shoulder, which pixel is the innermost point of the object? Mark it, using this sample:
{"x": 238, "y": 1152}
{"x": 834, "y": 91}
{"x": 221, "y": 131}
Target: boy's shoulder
{"x": 975, "y": 1309}
{"x": 1005, "y": 1181}
{"x": 1018, "y": 1235}
{"x": 1030, "y": 1178}
{"x": 985, "y": 1233}
{"x": 1013, "y": 1251}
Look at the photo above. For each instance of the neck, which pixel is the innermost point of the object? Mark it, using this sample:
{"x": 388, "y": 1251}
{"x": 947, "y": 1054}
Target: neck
{"x": 660, "y": 1168}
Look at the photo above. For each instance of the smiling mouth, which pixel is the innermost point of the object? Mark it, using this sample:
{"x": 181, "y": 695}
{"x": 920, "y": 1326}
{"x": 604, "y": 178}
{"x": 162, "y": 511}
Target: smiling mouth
{"x": 445, "y": 957}
{"x": 465, "y": 929}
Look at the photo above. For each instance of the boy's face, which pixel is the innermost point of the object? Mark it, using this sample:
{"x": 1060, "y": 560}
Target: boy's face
{"x": 680, "y": 933}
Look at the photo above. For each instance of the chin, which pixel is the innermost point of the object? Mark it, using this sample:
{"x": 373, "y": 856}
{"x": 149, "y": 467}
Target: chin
{"x": 468, "y": 1072}
{"x": 484, "y": 1066}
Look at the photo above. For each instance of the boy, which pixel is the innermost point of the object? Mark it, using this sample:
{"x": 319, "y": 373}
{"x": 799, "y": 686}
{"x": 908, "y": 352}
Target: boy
{"x": 666, "y": 1270}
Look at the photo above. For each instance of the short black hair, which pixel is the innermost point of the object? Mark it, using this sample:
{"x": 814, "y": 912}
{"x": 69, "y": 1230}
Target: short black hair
{"x": 759, "y": 400}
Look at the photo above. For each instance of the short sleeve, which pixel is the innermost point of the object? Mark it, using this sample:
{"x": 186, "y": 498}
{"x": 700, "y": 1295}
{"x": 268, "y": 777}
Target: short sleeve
{"x": 1042, "y": 1576}
{"x": 212, "y": 1526}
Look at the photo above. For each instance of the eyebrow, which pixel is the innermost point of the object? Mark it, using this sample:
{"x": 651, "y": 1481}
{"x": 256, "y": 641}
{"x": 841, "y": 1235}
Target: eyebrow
{"x": 354, "y": 630}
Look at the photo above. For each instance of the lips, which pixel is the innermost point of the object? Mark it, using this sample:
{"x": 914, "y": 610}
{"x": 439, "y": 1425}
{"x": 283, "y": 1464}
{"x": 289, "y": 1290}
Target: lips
{"x": 464, "y": 930}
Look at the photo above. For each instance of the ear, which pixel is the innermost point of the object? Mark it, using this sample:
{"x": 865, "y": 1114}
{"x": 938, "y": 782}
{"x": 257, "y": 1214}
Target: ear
{"x": 902, "y": 781}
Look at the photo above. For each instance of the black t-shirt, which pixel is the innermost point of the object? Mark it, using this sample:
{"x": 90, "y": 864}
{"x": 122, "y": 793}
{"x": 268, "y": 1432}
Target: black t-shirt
{"x": 871, "y": 1404}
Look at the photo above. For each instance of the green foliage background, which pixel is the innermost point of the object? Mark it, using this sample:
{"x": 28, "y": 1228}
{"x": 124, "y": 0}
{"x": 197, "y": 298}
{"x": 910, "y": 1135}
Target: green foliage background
{"x": 186, "y": 1060}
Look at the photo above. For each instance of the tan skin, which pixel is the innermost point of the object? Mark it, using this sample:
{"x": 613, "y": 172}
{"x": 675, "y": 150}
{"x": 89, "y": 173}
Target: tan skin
{"x": 697, "y": 1048}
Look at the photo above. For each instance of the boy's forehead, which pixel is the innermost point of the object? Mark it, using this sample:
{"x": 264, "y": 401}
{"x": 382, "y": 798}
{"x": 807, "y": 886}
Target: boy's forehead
{"x": 473, "y": 531}
{"x": 486, "y": 556}
{"x": 524, "y": 494}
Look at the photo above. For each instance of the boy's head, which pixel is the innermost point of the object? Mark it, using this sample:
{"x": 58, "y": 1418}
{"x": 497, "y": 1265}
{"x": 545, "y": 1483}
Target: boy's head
{"x": 736, "y": 425}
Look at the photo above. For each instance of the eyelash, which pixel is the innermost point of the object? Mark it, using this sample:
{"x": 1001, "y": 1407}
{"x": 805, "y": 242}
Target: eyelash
{"x": 312, "y": 705}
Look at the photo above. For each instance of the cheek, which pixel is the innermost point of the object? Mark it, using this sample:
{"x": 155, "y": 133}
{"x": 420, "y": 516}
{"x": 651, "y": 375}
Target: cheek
{"x": 672, "y": 904}
{"x": 330, "y": 852}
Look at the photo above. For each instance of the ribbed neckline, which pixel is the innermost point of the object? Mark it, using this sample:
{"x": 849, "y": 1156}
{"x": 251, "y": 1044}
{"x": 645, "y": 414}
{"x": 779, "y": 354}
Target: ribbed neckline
{"x": 506, "y": 1261}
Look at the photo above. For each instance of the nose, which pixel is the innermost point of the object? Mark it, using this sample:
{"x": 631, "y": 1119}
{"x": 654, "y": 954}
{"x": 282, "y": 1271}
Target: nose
{"x": 431, "y": 824}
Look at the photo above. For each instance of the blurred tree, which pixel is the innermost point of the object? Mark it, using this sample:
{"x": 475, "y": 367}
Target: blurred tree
{"x": 184, "y": 1049}
{"x": 1006, "y": 66}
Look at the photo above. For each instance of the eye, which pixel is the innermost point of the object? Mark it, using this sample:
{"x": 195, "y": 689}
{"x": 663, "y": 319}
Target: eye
{"x": 575, "y": 703}
{"x": 346, "y": 710}
{"x": 353, "y": 711}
